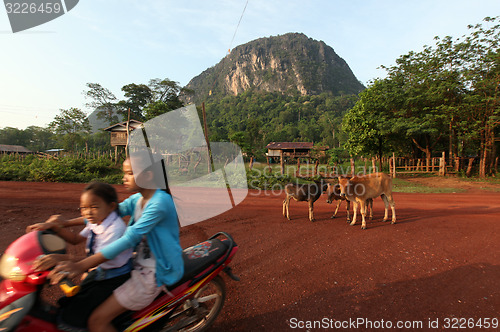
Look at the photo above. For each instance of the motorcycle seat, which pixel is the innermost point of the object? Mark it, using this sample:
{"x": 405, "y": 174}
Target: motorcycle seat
{"x": 199, "y": 257}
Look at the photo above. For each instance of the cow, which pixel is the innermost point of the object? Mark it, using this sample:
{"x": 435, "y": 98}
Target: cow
{"x": 303, "y": 193}
{"x": 359, "y": 189}
{"x": 333, "y": 194}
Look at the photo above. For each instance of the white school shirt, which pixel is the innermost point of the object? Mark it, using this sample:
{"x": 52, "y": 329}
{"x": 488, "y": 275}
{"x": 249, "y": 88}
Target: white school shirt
{"x": 111, "y": 229}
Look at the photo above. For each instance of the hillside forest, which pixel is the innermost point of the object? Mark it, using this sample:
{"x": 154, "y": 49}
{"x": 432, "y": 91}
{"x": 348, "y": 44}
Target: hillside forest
{"x": 443, "y": 98}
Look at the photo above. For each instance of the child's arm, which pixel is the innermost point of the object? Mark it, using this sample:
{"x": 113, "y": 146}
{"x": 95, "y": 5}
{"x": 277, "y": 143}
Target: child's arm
{"x": 71, "y": 269}
{"x": 55, "y": 221}
{"x": 45, "y": 262}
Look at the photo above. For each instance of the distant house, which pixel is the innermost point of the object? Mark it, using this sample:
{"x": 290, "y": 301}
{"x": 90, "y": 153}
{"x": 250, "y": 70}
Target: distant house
{"x": 292, "y": 150}
{"x": 289, "y": 149}
{"x": 119, "y": 132}
{"x": 4, "y": 148}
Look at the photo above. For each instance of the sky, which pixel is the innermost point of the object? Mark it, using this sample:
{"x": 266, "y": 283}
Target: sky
{"x": 117, "y": 42}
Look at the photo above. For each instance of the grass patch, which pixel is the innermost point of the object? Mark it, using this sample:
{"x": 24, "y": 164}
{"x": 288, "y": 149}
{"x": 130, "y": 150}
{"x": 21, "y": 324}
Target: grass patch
{"x": 490, "y": 180}
{"x": 404, "y": 186}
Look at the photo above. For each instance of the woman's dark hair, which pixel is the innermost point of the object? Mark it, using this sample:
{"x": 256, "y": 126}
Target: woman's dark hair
{"x": 102, "y": 190}
{"x": 145, "y": 161}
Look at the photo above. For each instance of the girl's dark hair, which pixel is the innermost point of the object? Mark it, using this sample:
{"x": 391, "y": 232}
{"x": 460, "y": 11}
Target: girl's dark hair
{"x": 102, "y": 190}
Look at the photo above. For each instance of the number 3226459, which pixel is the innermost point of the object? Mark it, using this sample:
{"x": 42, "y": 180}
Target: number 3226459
{"x": 32, "y": 8}
{"x": 461, "y": 323}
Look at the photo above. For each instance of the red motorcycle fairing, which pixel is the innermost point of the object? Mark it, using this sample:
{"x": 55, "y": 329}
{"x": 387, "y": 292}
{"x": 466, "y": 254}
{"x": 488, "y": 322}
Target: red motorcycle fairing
{"x": 17, "y": 263}
{"x": 11, "y": 291}
{"x": 12, "y": 314}
{"x": 33, "y": 324}
{"x": 22, "y": 310}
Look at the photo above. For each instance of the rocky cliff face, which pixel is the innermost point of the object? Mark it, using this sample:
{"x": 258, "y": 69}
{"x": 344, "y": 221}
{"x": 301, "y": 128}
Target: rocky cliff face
{"x": 289, "y": 64}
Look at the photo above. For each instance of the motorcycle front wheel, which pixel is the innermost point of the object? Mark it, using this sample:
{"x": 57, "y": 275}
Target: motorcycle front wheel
{"x": 199, "y": 312}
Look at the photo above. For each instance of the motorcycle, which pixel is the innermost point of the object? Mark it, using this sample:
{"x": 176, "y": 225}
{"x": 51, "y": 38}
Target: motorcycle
{"x": 192, "y": 304}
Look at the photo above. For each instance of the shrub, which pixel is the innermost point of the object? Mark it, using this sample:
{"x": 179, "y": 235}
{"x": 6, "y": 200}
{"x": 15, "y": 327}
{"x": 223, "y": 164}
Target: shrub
{"x": 64, "y": 169}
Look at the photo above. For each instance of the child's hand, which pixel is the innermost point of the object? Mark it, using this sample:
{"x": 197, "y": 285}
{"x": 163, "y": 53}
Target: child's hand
{"x": 45, "y": 262}
{"x": 63, "y": 270}
{"x": 41, "y": 226}
{"x": 54, "y": 221}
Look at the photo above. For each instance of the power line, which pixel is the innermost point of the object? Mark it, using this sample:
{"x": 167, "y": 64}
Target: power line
{"x": 234, "y": 35}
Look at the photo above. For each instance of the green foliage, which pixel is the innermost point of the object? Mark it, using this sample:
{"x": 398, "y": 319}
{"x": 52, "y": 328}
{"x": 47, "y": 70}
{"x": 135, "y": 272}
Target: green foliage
{"x": 337, "y": 156}
{"x": 103, "y": 100}
{"x": 41, "y": 139}
{"x": 63, "y": 169}
{"x": 444, "y": 97}
{"x": 260, "y": 180}
{"x": 254, "y": 119}
{"x": 70, "y": 121}
{"x": 33, "y": 138}
{"x": 370, "y": 123}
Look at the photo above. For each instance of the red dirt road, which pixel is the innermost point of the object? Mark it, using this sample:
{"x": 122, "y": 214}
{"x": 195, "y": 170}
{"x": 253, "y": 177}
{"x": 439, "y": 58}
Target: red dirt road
{"x": 438, "y": 264}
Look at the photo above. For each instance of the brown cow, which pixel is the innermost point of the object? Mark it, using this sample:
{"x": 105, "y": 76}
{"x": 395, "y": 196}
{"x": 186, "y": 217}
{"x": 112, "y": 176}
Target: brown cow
{"x": 301, "y": 193}
{"x": 359, "y": 189}
{"x": 333, "y": 194}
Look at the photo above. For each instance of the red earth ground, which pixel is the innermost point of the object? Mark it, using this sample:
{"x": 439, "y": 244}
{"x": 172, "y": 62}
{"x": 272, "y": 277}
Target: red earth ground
{"x": 438, "y": 265}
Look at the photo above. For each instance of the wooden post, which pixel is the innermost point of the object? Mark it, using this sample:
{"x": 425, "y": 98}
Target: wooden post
{"x": 128, "y": 134}
{"x": 282, "y": 163}
{"x": 353, "y": 168}
{"x": 209, "y": 161}
{"x": 393, "y": 165}
{"x": 442, "y": 165}
{"x": 297, "y": 172}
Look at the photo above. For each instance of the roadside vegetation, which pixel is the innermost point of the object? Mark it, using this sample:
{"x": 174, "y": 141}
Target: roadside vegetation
{"x": 75, "y": 168}
{"x": 62, "y": 169}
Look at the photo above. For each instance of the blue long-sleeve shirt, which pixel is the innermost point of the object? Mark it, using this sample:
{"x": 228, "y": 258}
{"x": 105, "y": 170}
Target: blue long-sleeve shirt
{"x": 159, "y": 224}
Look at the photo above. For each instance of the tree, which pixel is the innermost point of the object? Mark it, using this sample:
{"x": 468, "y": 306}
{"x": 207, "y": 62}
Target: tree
{"x": 102, "y": 100}
{"x": 239, "y": 138}
{"x": 165, "y": 98}
{"x": 138, "y": 96}
{"x": 370, "y": 123}
{"x": 71, "y": 127}
{"x": 481, "y": 54}
{"x": 13, "y": 136}
{"x": 33, "y": 138}
{"x": 418, "y": 103}
{"x": 71, "y": 121}
{"x": 148, "y": 101}
{"x": 40, "y": 138}
{"x": 165, "y": 90}
{"x": 155, "y": 109}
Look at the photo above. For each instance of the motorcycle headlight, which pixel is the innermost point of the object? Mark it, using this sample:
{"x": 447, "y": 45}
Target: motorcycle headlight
{"x": 9, "y": 268}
